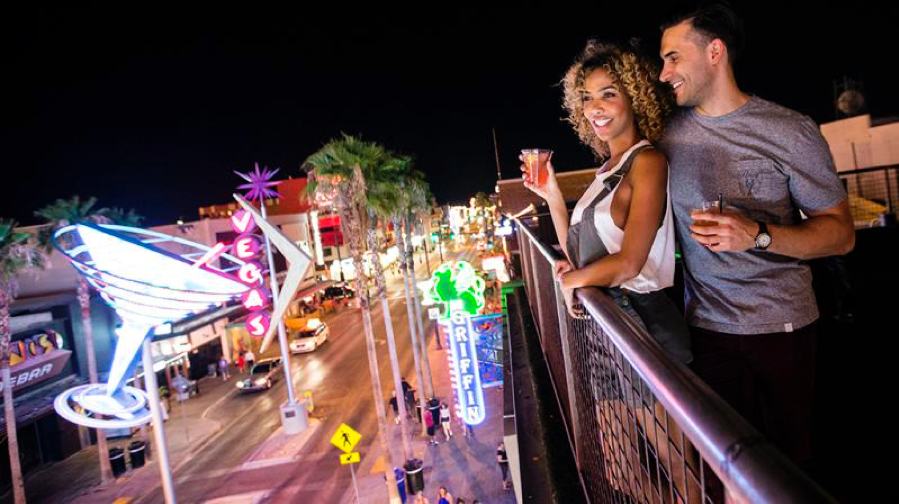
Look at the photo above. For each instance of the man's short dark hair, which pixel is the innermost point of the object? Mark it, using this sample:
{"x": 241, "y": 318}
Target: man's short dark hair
{"x": 711, "y": 20}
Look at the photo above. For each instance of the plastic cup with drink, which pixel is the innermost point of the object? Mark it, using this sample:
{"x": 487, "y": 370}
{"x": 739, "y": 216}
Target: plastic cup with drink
{"x": 710, "y": 206}
{"x": 535, "y": 165}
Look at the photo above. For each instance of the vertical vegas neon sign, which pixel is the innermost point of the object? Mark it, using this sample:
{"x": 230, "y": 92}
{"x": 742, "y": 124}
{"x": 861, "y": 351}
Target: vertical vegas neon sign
{"x": 465, "y": 369}
{"x": 247, "y": 247}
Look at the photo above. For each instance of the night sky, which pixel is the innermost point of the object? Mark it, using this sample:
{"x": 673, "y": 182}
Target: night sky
{"x": 153, "y": 109}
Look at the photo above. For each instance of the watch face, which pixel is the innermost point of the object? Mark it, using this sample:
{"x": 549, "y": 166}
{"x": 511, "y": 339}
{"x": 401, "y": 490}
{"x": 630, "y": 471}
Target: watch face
{"x": 763, "y": 240}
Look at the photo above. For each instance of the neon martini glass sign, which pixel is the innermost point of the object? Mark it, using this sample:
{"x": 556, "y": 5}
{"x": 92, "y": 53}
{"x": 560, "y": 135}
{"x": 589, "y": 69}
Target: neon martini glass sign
{"x": 148, "y": 287}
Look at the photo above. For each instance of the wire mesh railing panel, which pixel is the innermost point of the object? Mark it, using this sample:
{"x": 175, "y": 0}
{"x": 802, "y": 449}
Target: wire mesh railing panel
{"x": 873, "y": 193}
{"x": 550, "y": 334}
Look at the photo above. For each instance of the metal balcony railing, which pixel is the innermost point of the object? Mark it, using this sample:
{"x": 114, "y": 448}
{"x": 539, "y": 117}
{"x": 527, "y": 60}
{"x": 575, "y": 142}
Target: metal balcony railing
{"x": 643, "y": 427}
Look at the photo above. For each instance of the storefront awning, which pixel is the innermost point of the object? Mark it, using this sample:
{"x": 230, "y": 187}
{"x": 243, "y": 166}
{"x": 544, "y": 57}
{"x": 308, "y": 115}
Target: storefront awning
{"x": 37, "y": 403}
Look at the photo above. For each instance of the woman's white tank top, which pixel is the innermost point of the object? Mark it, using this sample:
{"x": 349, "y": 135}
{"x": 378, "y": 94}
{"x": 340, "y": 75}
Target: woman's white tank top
{"x": 658, "y": 272}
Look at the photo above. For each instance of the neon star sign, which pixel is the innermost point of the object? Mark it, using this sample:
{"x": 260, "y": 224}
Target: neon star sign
{"x": 455, "y": 285}
{"x": 260, "y": 183}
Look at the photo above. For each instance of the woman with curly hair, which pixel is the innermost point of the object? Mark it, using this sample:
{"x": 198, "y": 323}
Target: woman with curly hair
{"x": 621, "y": 234}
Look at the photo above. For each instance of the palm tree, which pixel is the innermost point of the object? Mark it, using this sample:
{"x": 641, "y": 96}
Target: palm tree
{"x": 392, "y": 185}
{"x": 418, "y": 198}
{"x": 382, "y": 200}
{"x": 64, "y": 213}
{"x": 335, "y": 173}
{"x": 17, "y": 255}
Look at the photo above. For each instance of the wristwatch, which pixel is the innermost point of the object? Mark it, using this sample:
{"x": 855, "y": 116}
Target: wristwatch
{"x": 763, "y": 239}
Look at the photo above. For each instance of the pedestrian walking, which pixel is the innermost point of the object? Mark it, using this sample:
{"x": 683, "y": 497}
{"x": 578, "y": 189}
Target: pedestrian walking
{"x": 467, "y": 430}
{"x": 395, "y": 407}
{"x": 503, "y": 462}
{"x": 429, "y": 423}
{"x": 240, "y": 362}
{"x": 460, "y": 500}
{"x": 445, "y": 420}
{"x": 409, "y": 396}
{"x": 223, "y": 368}
{"x": 249, "y": 358}
{"x": 443, "y": 496}
{"x": 421, "y": 499}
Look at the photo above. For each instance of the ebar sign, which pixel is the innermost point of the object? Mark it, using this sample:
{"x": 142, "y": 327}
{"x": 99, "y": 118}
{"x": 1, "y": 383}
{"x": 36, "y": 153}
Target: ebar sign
{"x": 465, "y": 369}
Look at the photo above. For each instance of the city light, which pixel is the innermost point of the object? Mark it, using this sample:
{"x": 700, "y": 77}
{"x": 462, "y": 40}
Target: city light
{"x": 243, "y": 222}
{"x": 466, "y": 374}
{"x": 255, "y": 299}
{"x": 247, "y": 247}
{"x": 456, "y": 283}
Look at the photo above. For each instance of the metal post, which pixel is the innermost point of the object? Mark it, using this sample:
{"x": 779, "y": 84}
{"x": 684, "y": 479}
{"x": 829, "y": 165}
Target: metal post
{"x": 165, "y": 471}
{"x": 535, "y": 294}
{"x": 282, "y": 333}
{"x": 355, "y": 487}
{"x": 428, "y": 261}
{"x": 340, "y": 262}
{"x": 570, "y": 375}
{"x": 886, "y": 175}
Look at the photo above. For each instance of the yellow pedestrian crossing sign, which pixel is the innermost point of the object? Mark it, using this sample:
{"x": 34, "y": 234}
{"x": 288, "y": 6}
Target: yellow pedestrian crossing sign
{"x": 349, "y": 458}
{"x": 345, "y": 438}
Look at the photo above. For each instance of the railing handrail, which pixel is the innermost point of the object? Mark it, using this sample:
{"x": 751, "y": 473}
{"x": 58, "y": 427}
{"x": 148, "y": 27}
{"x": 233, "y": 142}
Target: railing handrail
{"x": 748, "y": 465}
{"x": 867, "y": 169}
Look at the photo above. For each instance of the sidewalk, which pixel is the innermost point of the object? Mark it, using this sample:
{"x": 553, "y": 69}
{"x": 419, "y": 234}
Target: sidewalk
{"x": 278, "y": 449}
{"x": 77, "y": 478}
{"x": 465, "y": 466}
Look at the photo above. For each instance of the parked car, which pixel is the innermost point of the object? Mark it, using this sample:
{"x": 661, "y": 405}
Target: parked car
{"x": 311, "y": 337}
{"x": 338, "y": 292}
{"x": 263, "y": 374}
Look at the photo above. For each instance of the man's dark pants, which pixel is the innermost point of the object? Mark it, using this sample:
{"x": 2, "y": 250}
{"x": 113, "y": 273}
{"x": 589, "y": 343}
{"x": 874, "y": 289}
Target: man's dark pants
{"x": 767, "y": 378}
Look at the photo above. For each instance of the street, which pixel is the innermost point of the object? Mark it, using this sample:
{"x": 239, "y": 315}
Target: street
{"x": 337, "y": 375}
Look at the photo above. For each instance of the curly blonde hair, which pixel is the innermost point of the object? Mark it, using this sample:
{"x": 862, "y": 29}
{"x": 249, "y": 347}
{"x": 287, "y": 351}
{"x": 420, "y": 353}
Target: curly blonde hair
{"x": 634, "y": 74}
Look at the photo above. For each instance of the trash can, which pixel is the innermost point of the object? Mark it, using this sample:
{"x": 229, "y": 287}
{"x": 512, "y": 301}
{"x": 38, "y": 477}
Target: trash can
{"x": 401, "y": 483}
{"x": 415, "y": 479}
{"x": 136, "y": 452}
{"x": 434, "y": 409}
{"x": 117, "y": 461}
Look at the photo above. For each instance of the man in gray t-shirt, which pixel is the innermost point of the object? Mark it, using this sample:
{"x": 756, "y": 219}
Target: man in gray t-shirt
{"x": 766, "y": 162}
{"x": 748, "y": 293}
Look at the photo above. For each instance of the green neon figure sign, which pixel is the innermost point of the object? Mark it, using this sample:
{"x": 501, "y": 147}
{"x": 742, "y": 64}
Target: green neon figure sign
{"x": 457, "y": 286}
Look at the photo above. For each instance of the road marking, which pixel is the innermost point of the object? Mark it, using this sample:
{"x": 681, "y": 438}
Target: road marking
{"x": 259, "y": 464}
{"x": 244, "y": 498}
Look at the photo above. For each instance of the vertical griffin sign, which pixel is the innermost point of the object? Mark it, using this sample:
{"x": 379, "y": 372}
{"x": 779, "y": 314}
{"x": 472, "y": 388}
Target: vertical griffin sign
{"x": 465, "y": 370}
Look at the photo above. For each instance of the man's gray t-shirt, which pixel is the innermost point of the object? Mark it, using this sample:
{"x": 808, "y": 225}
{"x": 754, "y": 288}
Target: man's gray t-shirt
{"x": 768, "y": 162}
